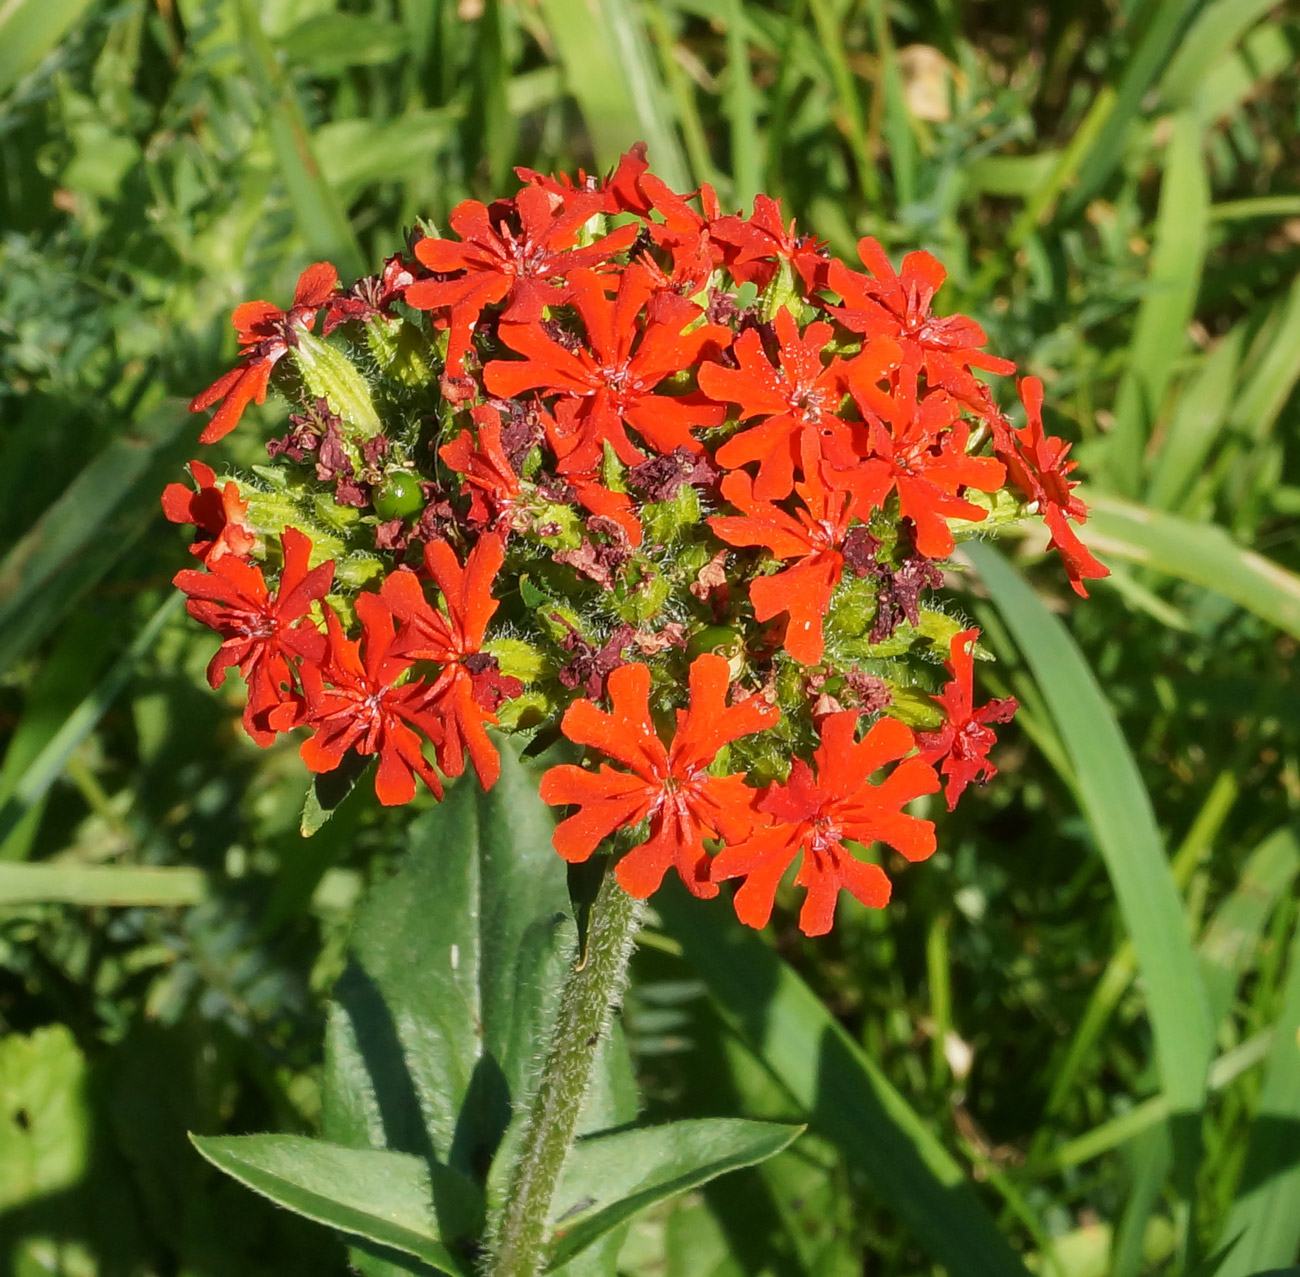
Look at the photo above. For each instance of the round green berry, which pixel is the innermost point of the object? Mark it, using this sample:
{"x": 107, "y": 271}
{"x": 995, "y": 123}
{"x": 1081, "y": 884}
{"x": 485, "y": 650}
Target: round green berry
{"x": 399, "y": 495}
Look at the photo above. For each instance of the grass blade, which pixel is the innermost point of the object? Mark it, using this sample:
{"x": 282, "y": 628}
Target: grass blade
{"x": 101, "y": 885}
{"x": 1119, "y": 812}
{"x": 1214, "y": 33}
{"x": 1230, "y": 941}
{"x": 1203, "y": 405}
{"x": 1161, "y": 329}
{"x": 1142, "y": 1117}
{"x": 1144, "y": 66}
{"x": 48, "y": 765}
{"x": 322, "y": 220}
{"x": 79, "y": 538}
{"x": 742, "y": 111}
{"x": 610, "y": 72}
{"x": 1266, "y": 1215}
{"x": 846, "y": 90}
{"x": 847, "y": 1098}
{"x": 1202, "y": 553}
{"x": 29, "y": 29}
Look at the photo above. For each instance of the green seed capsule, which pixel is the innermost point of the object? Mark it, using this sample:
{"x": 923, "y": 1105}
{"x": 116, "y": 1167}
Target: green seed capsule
{"x": 399, "y": 495}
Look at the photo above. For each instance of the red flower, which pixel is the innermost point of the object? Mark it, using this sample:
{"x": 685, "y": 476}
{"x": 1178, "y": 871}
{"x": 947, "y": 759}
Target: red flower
{"x": 612, "y": 380}
{"x": 813, "y": 535}
{"x": 371, "y": 297}
{"x": 265, "y": 335}
{"x": 489, "y": 478}
{"x": 615, "y": 190}
{"x": 670, "y": 786}
{"x": 886, "y": 303}
{"x": 923, "y": 456}
{"x": 262, "y": 632}
{"x": 464, "y": 694}
{"x": 217, "y": 513}
{"x": 799, "y": 400}
{"x": 963, "y": 742}
{"x": 816, "y": 814}
{"x": 364, "y": 709}
{"x": 1040, "y": 469}
{"x": 497, "y": 264}
{"x": 755, "y": 247}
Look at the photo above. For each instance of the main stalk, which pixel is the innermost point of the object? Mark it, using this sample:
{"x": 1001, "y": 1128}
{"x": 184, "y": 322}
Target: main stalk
{"x": 591, "y": 992}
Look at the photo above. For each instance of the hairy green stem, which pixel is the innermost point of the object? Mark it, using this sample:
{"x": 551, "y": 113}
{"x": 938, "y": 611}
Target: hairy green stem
{"x": 587, "y": 1003}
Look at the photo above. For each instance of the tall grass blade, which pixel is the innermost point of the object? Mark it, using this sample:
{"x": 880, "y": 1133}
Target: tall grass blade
{"x": 1202, "y": 407}
{"x": 609, "y": 70}
{"x": 1266, "y": 1215}
{"x": 1229, "y": 943}
{"x": 1167, "y": 308}
{"x": 1145, "y": 64}
{"x": 1119, "y": 812}
{"x": 850, "y": 103}
{"x": 1202, "y": 553}
{"x": 101, "y": 885}
{"x": 83, "y": 533}
{"x": 846, "y": 1097}
{"x": 48, "y": 765}
{"x": 29, "y": 29}
{"x": 322, "y": 220}
{"x": 1214, "y": 33}
{"x": 741, "y": 101}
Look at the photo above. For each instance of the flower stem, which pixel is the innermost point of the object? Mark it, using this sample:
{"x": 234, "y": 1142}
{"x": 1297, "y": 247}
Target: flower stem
{"x": 591, "y": 991}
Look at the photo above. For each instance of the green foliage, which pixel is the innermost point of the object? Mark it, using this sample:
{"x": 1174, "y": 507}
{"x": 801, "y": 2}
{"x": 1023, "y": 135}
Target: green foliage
{"x": 1112, "y": 191}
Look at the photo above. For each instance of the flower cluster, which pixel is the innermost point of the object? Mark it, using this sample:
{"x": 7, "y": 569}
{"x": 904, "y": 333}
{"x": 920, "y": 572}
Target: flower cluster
{"x": 608, "y": 463}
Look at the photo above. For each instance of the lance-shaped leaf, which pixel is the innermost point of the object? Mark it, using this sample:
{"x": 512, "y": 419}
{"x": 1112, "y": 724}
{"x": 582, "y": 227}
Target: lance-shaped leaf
{"x": 611, "y": 1177}
{"x": 383, "y": 1197}
{"x": 438, "y": 1021}
{"x": 848, "y": 1099}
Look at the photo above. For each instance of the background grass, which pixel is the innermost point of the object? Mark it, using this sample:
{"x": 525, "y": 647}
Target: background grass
{"x": 1082, "y": 1014}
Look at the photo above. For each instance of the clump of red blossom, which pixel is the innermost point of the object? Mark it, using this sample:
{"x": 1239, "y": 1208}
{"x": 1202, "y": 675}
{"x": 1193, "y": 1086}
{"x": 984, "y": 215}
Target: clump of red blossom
{"x": 672, "y": 483}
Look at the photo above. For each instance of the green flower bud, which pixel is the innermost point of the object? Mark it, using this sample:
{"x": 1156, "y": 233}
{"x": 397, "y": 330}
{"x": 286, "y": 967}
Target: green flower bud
{"x": 915, "y": 708}
{"x": 665, "y": 521}
{"x": 329, "y": 374}
{"x": 400, "y": 350}
{"x": 518, "y": 659}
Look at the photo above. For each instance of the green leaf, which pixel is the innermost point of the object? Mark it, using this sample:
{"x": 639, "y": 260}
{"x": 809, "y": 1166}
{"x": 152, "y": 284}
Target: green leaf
{"x": 1202, "y": 553}
{"x": 329, "y": 789}
{"x": 382, "y": 1196}
{"x": 44, "y": 1115}
{"x": 608, "y": 68}
{"x": 433, "y": 1065}
{"x": 846, "y": 1096}
{"x": 609, "y": 1178}
{"x": 29, "y": 29}
{"x": 1118, "y": 809}
{"x": 356, "y": 152}
{"x": 1265, "y": 1219}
